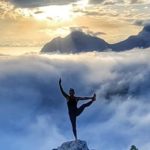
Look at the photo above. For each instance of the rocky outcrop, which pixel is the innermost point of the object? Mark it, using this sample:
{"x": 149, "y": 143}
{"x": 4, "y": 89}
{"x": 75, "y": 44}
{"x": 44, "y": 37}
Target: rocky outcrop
{"x": 73, "y": 145}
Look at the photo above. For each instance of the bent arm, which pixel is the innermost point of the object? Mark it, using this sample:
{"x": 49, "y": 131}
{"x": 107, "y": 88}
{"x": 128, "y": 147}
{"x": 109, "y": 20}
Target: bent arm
{"x": 63, "y": 92}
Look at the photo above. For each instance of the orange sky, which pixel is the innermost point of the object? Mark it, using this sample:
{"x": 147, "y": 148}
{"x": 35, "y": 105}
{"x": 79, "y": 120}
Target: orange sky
{"x": 34, "y": 24}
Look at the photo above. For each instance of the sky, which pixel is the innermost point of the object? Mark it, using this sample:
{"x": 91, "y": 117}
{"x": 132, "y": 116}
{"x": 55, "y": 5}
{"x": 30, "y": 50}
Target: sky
{"x": 34, "y": 23}
{"x": 33, "y": 113}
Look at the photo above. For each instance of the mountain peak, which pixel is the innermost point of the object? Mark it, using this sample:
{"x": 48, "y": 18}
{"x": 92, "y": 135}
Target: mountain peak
{"x": 73, "y": 145}
{"x": 76, "y": 41}
{"x": 147, "y": 28}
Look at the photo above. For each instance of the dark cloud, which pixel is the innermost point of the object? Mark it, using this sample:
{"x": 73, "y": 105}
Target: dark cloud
{"x": 136, "y": 1}
{"x": 38, "y": 3}
{"x": 49, "y": 18}
{"x": 33, "y": 113}
{"x": 133, "y": 1}
{"x": 86, "y": 30}
{"x": 38, "y": 12}
{"x": 138, "y": 22}
{"x": 96, "y": 1}
{"x": 141, "y": 22}
{"x": 105, "y": 2}
{"x": 98, "y": 12}
{"x": 109, "y": 2}
{"x": 87, "y": 12}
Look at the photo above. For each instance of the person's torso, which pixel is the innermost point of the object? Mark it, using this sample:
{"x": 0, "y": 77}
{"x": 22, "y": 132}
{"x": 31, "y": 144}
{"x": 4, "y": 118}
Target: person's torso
{"x": 72, "y": 104}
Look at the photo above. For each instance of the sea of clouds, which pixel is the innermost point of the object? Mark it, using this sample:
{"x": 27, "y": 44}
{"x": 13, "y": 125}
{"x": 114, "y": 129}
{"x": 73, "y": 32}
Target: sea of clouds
{"x": 33, "y": 113}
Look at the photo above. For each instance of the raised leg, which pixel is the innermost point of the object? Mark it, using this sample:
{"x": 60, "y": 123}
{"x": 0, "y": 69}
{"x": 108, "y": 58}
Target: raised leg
{"x": 82, "y": 107}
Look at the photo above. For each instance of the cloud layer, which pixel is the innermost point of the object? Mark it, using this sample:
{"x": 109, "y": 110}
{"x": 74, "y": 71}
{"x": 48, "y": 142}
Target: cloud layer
{"x": 110, "y": 2}
{"x": 38, "y": 3}
{"x": 33, "y": 113}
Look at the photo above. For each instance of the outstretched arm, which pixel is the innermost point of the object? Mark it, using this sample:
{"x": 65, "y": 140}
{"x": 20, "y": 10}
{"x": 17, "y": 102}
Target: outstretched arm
{"x": 62, "y": 91}
{"x": 84, "y": 98}
{"x": 87, "y": 98}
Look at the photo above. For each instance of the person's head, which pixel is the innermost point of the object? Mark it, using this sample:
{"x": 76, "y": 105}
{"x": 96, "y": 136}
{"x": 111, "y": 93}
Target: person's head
{"x": 71, "y": 92}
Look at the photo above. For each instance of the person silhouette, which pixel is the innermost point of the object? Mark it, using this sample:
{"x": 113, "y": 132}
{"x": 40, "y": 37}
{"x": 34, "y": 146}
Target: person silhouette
{"x": 73, "y": 110}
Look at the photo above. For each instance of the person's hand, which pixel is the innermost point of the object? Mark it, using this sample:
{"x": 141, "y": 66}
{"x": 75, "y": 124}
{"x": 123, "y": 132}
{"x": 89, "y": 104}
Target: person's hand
{"x": 60, "y": 81}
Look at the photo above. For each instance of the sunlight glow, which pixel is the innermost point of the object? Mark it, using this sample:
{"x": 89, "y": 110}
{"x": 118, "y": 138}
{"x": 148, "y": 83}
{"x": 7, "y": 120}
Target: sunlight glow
{"x": 55, "y": 13}
{"x": 83, "y": 3}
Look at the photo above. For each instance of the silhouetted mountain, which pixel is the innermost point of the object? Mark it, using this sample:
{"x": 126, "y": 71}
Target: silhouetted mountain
{"x": 142, "y": 40}
{"x": 78, "y": 41}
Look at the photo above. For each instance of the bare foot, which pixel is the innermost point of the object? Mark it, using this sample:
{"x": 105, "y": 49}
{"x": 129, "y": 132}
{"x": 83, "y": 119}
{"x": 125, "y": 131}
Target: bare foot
{"x": 94, "y": 97}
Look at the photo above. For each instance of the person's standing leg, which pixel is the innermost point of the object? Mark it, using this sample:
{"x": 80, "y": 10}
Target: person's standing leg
{"x": 73, "y": 123}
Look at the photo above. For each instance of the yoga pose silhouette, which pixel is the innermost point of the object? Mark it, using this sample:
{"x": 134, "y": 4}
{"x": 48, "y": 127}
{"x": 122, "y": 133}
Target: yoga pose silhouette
{"x": 73, "y": 110}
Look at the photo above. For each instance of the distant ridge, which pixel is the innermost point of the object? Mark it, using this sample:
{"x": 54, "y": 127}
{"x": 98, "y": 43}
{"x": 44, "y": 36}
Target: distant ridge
{"x": 78, "y": 41}
{"x": 142, "y": 40}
